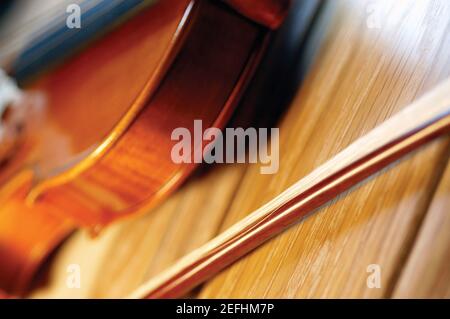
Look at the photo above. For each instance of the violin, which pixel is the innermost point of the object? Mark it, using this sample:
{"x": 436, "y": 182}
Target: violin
{"x": 89, "y": 113}
{"x": 358, "y": 207}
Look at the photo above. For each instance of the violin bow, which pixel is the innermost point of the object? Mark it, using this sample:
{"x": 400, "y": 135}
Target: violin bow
{"x": 419, "y": 123}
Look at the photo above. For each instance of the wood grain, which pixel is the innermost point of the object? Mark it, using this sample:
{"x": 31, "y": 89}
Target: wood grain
{"x": 427, "y": 271}
{"x": 132, "y": 168}
{"x": 56, "y": 142}
{"x": 126, "y": 167}
{"x": 419, "y": 123}
{"x": 127, "y": 254}
{"x": 122, "y": 258}
{"x": 362, "y": 76}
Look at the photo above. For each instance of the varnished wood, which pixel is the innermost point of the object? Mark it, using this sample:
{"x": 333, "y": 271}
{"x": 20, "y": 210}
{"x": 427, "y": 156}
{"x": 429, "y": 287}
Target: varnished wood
{"x": 270, "y": 13}
{"x": 427, "y": 273}
{"x": 120, "y": 164}
{"x": 361, "y": 77}
{"x": 418, "y": 124}
{"x": 111, "y": 185}
{"x": 129, "y": 253}
{"x": 55, "y": 140}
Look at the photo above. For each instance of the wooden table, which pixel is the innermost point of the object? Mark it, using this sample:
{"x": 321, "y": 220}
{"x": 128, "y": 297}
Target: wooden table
{"x": 374, "y": 58}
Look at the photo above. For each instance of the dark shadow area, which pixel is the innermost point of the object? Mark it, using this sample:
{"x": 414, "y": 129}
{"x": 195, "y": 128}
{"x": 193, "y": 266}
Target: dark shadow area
{"x": 4, "y": 6}
{"x": 290, "y": 54}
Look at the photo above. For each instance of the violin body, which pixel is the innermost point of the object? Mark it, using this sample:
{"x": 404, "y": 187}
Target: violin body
{"x": 358, "y": 207}
{"x": 98, "y": 148}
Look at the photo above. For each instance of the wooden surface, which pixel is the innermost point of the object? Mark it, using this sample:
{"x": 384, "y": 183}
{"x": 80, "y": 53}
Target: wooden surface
{"x": 55, "y": 140}
{"x": 126, "y": 255}
{"x": 419, "y": 123}
{"x": 361, "y": 76}
{"x": 126, "y": 166}
{"x": 427, "y": 271}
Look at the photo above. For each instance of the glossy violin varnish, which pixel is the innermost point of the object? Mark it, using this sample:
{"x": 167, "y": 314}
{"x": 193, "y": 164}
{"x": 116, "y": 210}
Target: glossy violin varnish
{"x": 350, "y": 102}
{"x": 103, "y": 150}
